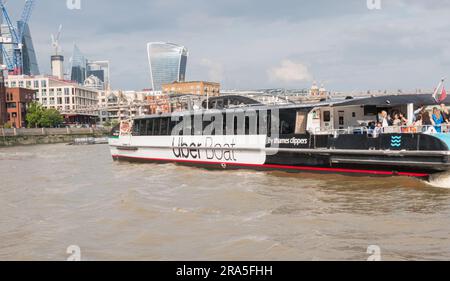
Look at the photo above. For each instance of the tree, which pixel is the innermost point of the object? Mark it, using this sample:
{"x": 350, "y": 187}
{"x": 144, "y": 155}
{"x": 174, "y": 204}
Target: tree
{"x": 39, "y": 117}
{"x": 34, "y": 115}
{"x": 51, "y": 118}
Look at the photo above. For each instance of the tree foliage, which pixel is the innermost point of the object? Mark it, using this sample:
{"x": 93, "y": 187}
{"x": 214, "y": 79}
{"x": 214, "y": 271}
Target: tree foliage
{"x": 40, "y": 117}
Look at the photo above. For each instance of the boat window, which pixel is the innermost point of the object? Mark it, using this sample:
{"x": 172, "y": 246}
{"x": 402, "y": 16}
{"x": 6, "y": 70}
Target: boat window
{"x": 142, "y": 127}
{"x": 207, "y": 123}
{"x": 224, "y": 120}
{"x": 269, "y": 123}
{"x": 174, "y": 123}
{"x": 287, "y": 122}
{"x": 247, "y": 125}
{"x": 341, "y": 119}
{"x": 285, "y": 128}
{"x": 164, "y": 126}
{"x": 187, "y": 126}
{"x": 316, "y": 114}
{"x": 149, "y": 125}
{"x": 326, "y": 116}
{"x": 198, "y": 125}
{"x": 136, "y": 128}
{"x": 370, "y": 110}
{"x": 115, "y": 132}
{"x": 262, "y": 123}
{"x": 300, "y": 123}
{"x": 156, "y": 124}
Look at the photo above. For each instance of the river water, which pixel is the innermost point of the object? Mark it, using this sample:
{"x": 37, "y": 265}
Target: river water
{"x": 55, "y": 196}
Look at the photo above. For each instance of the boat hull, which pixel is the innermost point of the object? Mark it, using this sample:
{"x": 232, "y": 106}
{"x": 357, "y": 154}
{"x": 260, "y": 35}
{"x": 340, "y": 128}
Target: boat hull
{"x": 238, "y": 153}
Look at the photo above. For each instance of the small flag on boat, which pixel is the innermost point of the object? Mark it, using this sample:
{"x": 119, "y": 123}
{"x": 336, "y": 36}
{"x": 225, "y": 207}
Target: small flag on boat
{"x": 440, "y": 94}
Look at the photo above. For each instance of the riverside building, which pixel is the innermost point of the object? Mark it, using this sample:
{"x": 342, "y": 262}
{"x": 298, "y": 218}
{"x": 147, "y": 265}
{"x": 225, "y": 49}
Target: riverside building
{"x": 78, "y": 104}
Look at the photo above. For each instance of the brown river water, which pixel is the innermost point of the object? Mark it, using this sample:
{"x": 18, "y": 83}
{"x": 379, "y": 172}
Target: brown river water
{"x": 55, "y": 196}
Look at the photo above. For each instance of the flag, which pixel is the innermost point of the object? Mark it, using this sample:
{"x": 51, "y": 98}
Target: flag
{"x": 443, "y": 95}
{"x": 439, "y": 93}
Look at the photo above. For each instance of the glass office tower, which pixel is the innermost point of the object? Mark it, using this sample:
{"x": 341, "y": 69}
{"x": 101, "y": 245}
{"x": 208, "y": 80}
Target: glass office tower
{"x": 30, "y": 64}
{"x": 79, "y": 66}
{"x": 167, "y": 63}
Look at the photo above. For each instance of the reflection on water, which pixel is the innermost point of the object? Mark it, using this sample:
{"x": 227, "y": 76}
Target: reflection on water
{"x": 55, "y": 196}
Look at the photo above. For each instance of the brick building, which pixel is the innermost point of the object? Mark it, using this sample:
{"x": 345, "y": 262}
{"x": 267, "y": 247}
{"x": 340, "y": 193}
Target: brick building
{"x": 17, "y": 101}
{"x": 201, "y": 88}
{"x": 3, "y": 112}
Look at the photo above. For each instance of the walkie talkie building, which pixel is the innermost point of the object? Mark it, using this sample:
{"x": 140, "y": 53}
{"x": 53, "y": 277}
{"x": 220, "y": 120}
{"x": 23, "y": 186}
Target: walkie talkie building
{"x": 167, "y": 63}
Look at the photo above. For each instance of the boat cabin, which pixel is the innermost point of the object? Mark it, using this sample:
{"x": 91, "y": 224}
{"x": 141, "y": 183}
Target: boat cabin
{"x": 355, "y": 114}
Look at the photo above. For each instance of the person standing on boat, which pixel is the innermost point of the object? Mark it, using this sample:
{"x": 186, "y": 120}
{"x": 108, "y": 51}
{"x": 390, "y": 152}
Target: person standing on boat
{"x": 445, "y": 113}
{"x": 396, "y": 120}
{"x": 378, "y": 130}
{"x": 405, "y": 121}
{"x": 385, "y": 119}
{"x": 418, "y": 112}
{"x": 438, "y": 119}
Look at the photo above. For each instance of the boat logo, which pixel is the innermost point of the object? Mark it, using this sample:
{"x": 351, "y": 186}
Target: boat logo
{"x": 396, "y": 141}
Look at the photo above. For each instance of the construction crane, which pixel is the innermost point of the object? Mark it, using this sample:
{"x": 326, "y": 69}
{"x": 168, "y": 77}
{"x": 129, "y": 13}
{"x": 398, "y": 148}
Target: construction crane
{"x": 55, "y": 40}
{"x": 14, "y": 61}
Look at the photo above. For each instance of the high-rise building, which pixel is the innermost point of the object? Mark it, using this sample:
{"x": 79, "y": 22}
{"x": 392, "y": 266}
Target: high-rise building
{"x": 79, "y": 66}
{"x": 100, "y": 70}
{"x": 167, "y": 63}
{"x": 30, "y": 64}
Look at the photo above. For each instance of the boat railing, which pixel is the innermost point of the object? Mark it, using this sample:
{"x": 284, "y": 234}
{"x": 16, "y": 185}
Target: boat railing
{"x": 375, "y": 132}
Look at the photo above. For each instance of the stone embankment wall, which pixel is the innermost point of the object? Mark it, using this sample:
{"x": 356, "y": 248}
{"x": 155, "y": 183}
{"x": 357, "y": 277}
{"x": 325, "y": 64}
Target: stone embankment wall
{"x": 11, "y": 137}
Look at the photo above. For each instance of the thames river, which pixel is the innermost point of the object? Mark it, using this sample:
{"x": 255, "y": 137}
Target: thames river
{"x": 56, "y": 196}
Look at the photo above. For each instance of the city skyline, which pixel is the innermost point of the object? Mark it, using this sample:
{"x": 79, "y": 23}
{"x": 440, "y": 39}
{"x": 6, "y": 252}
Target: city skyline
{"x": 260, "y": 44}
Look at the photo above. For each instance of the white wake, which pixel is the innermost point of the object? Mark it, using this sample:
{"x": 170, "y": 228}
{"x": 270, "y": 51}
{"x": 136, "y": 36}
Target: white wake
{"x": 441, "y": 180}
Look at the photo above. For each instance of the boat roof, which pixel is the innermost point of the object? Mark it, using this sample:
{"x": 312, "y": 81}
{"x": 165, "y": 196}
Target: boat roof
{"x": 380, "y": 101}
{"x": 395, "y": 100}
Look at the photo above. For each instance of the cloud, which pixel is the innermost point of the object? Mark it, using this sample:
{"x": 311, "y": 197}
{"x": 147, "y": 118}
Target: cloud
{"x": 215, "y": 70}
{"x": 403, "y": 45}
{"x": 290, "y": 71}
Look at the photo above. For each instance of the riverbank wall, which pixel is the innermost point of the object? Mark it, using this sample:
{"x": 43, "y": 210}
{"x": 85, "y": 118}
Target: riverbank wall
{"x": 12, "y": 137}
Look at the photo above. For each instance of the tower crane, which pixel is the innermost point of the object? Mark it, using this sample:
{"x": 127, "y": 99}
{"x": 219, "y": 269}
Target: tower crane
{"x": 14, "y": 59}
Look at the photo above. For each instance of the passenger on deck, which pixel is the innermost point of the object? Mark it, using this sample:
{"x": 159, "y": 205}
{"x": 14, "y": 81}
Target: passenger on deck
{"x": 445, "y": 113}
{"x": 397, "y": 122}
{"x": 418, "y": 112}
{"x": 385, "y": 119}
{"x": 403, "y": 119}
{"x": 438, "y": 119}
{"x": 378, "y": 130}
{"x": 418, "y": 122}
{"x": 417, "y": 125}
{"x": 427, "y": 122}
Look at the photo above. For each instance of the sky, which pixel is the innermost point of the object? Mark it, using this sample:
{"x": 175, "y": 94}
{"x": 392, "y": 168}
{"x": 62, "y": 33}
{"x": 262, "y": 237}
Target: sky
{"x": 247, "y": 44}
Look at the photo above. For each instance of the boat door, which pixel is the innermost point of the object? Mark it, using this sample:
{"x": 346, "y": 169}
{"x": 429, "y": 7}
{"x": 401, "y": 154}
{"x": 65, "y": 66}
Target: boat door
{"x": 125, "y": 132}
{"x": 341, "y": 119}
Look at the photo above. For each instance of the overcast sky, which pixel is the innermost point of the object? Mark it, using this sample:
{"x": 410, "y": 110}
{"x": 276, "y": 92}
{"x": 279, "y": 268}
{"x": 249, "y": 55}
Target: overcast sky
{"x": 249, "y": 44}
